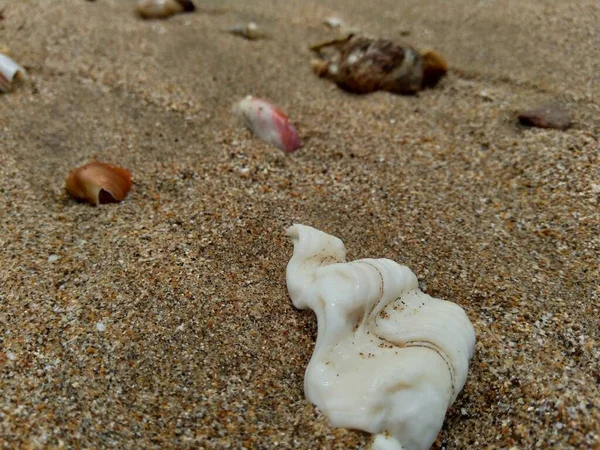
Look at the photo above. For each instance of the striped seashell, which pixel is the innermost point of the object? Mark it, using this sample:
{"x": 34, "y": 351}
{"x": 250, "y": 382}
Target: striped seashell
{"x": 268, "y": 123}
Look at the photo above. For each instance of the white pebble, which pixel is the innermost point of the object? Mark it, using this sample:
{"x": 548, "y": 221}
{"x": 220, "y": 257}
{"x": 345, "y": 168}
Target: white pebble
{"x": 334, "y": 22}
{"x": 100, "y": 326}
{"x": 10, "y": 355}
{"x": 53, "y": 258}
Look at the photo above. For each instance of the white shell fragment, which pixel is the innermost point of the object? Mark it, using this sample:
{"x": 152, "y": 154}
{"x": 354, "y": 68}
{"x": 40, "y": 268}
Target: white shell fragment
{"x": 389, "y": 359}
{"x": 334, "y": 22}
{"x": 250, "y": 31}
{"x": 268, "y": 123}
{"x": 9, "y": 71}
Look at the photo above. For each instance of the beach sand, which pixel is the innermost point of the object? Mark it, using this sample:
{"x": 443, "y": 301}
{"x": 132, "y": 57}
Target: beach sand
{"x": 164, "y": 321}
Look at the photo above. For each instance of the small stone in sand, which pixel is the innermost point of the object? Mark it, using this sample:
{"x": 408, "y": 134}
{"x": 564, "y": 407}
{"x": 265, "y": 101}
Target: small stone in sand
{"x": 53, "y": 258}
{"x": 10, "y": 355}
{"x": 546, "y": 116}
{"x": 100, "y": 326}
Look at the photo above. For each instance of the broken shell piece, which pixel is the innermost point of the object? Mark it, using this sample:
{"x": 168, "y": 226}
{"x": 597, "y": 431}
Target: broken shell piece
{"x": 98, "y": 182}
{"x": 268, "y": 122}
{"x": 10, "y": 72}
{"x": 389, "y": 359}
{"x": 249, "y": 31}
{"x": 362, "y": 65}
{"x": 161, "y": 9}
{"x": 343, "y": 30}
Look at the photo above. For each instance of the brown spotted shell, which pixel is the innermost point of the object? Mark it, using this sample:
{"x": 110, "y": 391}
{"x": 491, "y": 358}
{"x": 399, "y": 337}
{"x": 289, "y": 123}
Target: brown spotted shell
{"x": 98, "y": 183}
{"x": 363, "y": 65}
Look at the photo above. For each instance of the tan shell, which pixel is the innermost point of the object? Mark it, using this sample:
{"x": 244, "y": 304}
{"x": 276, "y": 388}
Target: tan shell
{"x": 161, "y": 9}
{"x": 98, "y": 182}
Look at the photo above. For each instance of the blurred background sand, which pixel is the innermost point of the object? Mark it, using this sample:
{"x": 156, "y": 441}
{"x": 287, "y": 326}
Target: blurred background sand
{"x": 201, "y": 347}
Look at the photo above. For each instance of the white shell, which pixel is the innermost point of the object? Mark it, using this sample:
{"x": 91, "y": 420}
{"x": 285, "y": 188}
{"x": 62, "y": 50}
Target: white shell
{"x": 9, "y": 71}
{"x": 388, "y": 359}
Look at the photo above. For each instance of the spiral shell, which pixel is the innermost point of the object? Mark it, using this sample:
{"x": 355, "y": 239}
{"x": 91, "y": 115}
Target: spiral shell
{"x": 362, "y": 65}
{"x": 161, "y": 9}
{"x": 10, "y": 72}
{"x": 268, "y": 123}
{"x": 389, "y": 359}
{"x": 98, "y": 182}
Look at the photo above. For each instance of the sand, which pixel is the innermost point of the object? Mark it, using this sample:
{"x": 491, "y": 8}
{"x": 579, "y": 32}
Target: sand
{"x": 164, "y": 321}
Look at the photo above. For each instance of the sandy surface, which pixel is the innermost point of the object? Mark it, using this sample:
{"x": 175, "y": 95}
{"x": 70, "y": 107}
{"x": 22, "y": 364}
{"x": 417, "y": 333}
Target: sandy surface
{"x": 201, "y": 347}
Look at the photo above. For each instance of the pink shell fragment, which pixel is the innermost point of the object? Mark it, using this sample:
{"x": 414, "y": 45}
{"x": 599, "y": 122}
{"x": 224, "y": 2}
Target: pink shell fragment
{"x": 268, "y": 123}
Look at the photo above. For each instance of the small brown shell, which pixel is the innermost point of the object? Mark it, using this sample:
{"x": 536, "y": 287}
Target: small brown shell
{"x": 99, "y": 183}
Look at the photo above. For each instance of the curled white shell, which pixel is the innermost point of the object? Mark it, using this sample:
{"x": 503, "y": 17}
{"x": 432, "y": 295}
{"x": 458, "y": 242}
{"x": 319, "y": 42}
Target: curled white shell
{"x": 9, "y": 71}
{"x": 268, "y": 122}
{"x": 388, "y": 359}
